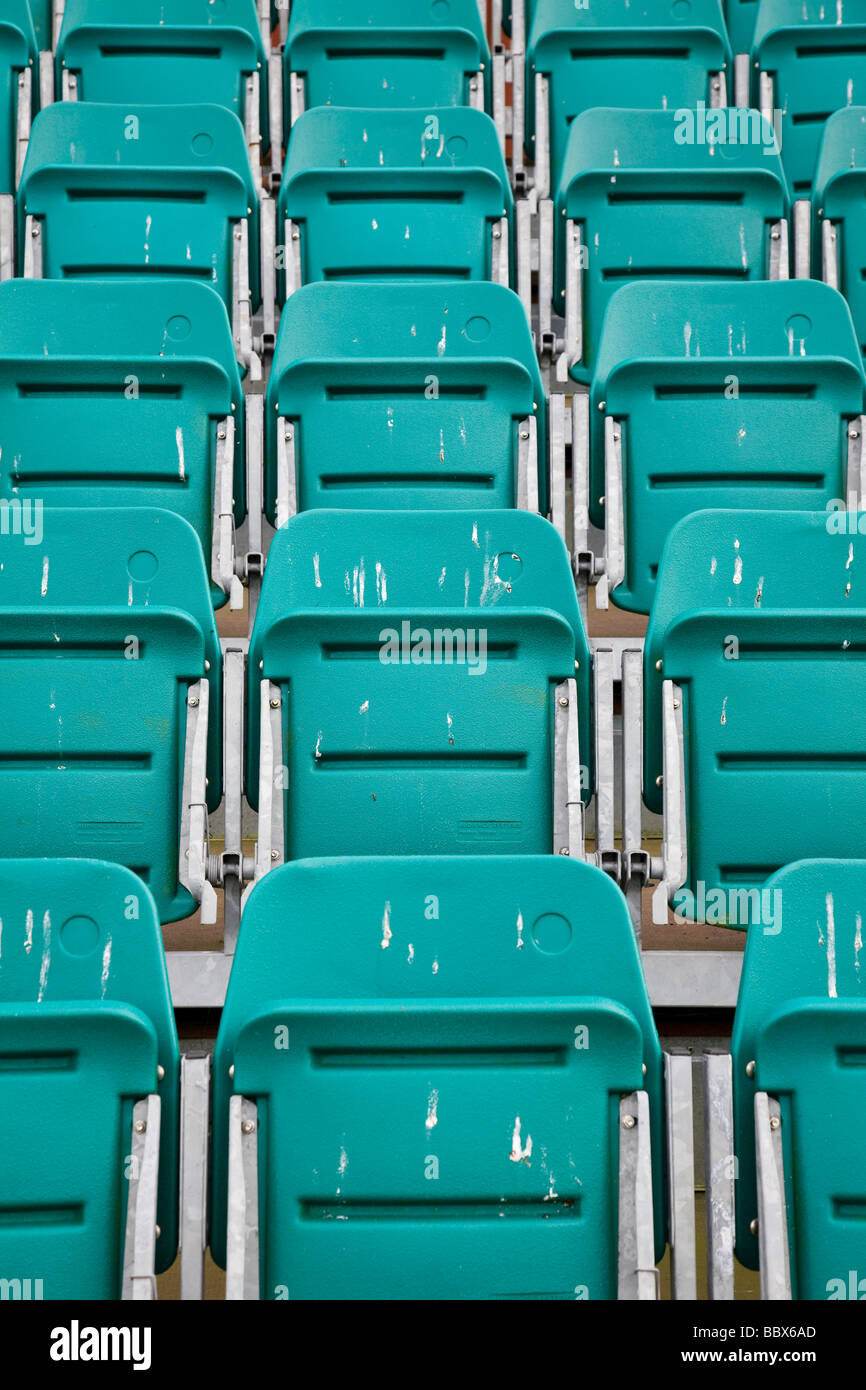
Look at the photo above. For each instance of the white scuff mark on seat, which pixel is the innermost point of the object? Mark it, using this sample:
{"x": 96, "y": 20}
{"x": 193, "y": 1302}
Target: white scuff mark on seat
{"x": 406, "y": 234}
{"x": 364, "y": 136}
{"x": 730, "y": 340}
{"x": 858, "y": 942}
{"x": 831, "y": 949}
{"x": 316, "y": 575}
{"x": 381, "y": 584}
{"x": 741, "y": 434}
{"x": 848, "y": 589}
{"x": 390, "y": 417}
{"x": 1, "y": 938}
{"x": 147, "y": 226}
{"x": 28, "y": 931}
{"x": 440, "y": 346}
{"x": 189, "y": 252}
{"x": 738, "y": 570}
{"x": 475, "y": 535}
{"x": 839, "y": 4}
{"x": 616, "y": 159}
{"x": 519, "y": 1153}
{"x": 130, "y": 599}
{"x": 441, "y": 446}
{"x": 342, "y": 1165}
{"x": 442, "y": 578}
{"x": 178, "y": 434}
{"x": 520, "y": 942}
{"x": 386, "y": 927}
{"x": 318, "y": 752}
{"x": 365, "y": 707}
{"x": 359, "y": 578}
{"x": 44, "y": 575}
{"x": 432, "y": 1106}
{"x": 724, "y": 718}
{"x": 106, "y": 965}
{"x": 411, "y": 955}
{"x": 466, "y": 590}
{"x": 414, "y": 331}
{"x": 375, "y": 225}
{"x": 46, "y": 956}
{"x": 687, "y": 337}
{"x": 450, "y": 722}
{"x": 744, "y": 259}
{"x": 849, "y": 562}
{"x": 435, "y": 967}
{"x": 347, "y": 583}
{"x": 849, "y": 92}
{"x": 713, "y": 564}
{"x": 759, "y": 592}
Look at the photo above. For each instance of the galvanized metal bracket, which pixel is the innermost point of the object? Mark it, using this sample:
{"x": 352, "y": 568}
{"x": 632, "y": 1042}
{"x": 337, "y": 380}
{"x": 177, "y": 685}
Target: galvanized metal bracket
{"x": 773, "y": 1250}
{"x": 637, "y": 1274}
{"x": 142, "y": 1172}
{"x": 242, "y": 1225}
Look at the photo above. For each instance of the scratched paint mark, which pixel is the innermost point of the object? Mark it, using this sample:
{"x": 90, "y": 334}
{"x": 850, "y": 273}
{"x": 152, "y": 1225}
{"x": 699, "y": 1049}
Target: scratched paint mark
{"x": 28, "y": 931}
{"x": 831, "y": 948}
{"x": 44, "y": 575}
{"x": 106, "y": 965}
{"x": 386, "y": 927}
{"x": 46, "y": 956}
{"x": 724, "y": 718}
{"x": 520, "y": 941}
{"x": 178, "y": 436}
{"x": 316, "y": 575}
{"x": 432, "y": 1106}
{"x": 520, "y": 1153}
{"x": 858, "y": 942}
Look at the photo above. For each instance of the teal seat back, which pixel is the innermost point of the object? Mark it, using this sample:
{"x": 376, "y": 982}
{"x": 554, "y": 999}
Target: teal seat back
{"x": 101, "y": 628}
{"x": 816, "y": 56}
{"x": 760, "y": 618}
{"x": 127, "y": 192}
{"x": 85, "y": 1019}
{"x": 652, "y": 205}
{"x": 450, "y": 749}
{"x": 839, "y": 184}
{"x": 387, "y": 55}
{"x": 17, "y": 52}
{"x": 405, "y": 395}
{"x": 41, "y": 14}
{"x": 615, "y": 53}
{"x": 395, "y": 195}
{"x": 740, "y": 18}
{"x": 190, "y": 51}
{"x": 132, "y": 424}
{"x": 712, "y": 382}
{"x": 444, "y": 1121}
{"x": 801, "y": 1018}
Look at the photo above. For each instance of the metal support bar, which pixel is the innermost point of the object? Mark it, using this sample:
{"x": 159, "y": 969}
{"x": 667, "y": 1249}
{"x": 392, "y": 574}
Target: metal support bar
{"x": 476, "y": 91}
{"x": 523, "y": 216}
{"x": 254, "y": 405}
{"x": 46, "y": 79}
{"x": 718, "y": 90}
{"x": 294, "y": 278}
{"x": 603, "y": 676}
{"x": 681, "y": 1174}
{"x": 545, "y": 275}
{"x": 573, "y": 302}
{"x": 57, "y": 17}
{"x": 500, "y": 268}
{"x": 638, "y": 1277}
{"x": 772, "y": 1208}
{"x": 284, "y": 8}
{"x": 275, "y": 117}
{"x": 742, "y": 80}
{"x": 568, "y": 805}
{"x": 68, "y": 85}
{"x": 265, "y": 23}
{"x": 584, "y": 561}
{"x": 556, "y": 469}
{"x": 802, "y": 228}
{"x": 542, "y": 138}
{"x": 33, "y": 248}
{"x": 855, "y": 477}
{"x": 192, "y": 871}
{"x": 765, "y": 96}
{"x": 142, "y": 1164}
{"x": 287, "y": 470}
{"x": 518, "y": 90}
{"x": 778, "y": 259}
{"x": 234, "y": 684}
{"x": 500, "y": 109}
{"x": 830, "y": 254}
{"x": 297, "y": 97}
{"x": 223, "y": 542}
{"x": 674, "y": 847}
{"x": 194, "y": 1149}
{"x": 720, "y": 1168}
{"x": 527, "y": 464}
{"x": 635, "y": 861}
{"x": 270, "y": 848}
{"x": 268, "y": 232}
{"x": 614, "y": 513}
{"x": 23, "y": 120}
{"x": 7, "y": 236}
{"x": 242, "y": 327}
{"x": 242, "y": 1225}
{"x": 253, "y": 127}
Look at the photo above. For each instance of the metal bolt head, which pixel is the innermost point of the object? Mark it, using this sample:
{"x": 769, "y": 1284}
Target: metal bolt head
{"x": 160, "y": 1073}
{"x": 524, "y": 434}
{"x": 248, "y": 1127}
{"x": 753, "y": 1226}
{"x": 564, "y": 851}
{"x": 853, "y": 434}
{"x": 750, "y": 1069}
{"x": 602, "y": 404}
{"x": 775, "y": 234}
{"x": 232, "y": 1069}
{"x": 192, "y": 701}
{"x": 660, "y": 781}
{"x": 775, "y": 1122}
{"x": 659, "y": 664}
{"x": 275, "y": 704}
{"x": 628, "y": 1121}
{"x": 221, "y": 434}
{"x": 158, "y": 1230}
{"x": 275, "y": 854}
{"x": 563, "y": 702}
{"x": 676, "y": 704}
{"x": 140, "y": 1126}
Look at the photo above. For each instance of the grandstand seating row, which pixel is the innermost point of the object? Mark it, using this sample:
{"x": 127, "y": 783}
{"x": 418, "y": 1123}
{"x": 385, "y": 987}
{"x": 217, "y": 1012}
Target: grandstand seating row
{"x": 445, "y": 812}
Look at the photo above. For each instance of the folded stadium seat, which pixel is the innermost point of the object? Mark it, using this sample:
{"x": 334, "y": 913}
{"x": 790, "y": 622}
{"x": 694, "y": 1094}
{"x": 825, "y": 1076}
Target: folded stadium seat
{"x": 753, "y": 695}
{"x": 433, "y": 392}
{"x": 162, "y": 51}
{"x": 698, "y": 392}
{"x": 796, "y": 1071}
{"x": 89, "y": 1086}
{"x": 42, "y": 16}
{"x": 19, "y": 91}
{"x": 613, "y": 53}
{"x": 642, "y": 196}
{"x": 123, "y": 192}
{"x": 810, "y": 60}
{"x": 385, "y": 55}
{"x": 839, "y": 225}
{"x": 410, "y": 1048}
{"x": 420, "y": 681}
{"x": 111, "y": 667}
{"x": 395, "y": 195}
{"x": 155, "y": 419}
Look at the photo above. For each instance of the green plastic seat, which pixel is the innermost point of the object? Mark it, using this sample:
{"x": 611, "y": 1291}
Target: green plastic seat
{"x": 451, "y": 753}
{"x": 816, "y": 56}
{"x": 840, "y": 178}
{"x": 85, "y": 1020}
{"x": 740, "y": 16}
{"x": 760, "y": 619}
{"x": 388, "y": 54}
{"x": 395, "y": 195}
{"x": 713, "y": 383}
{"x": 163, "y": 204}
{"x": 102, "y": 625}
{"x": 621, "y": 54}
{"x": 440, "y": 1125}
{"x": 422, "y": 385}
{"x": 801, "y": 1018}
{"x": 652, "y": 207}
{"x": 164, "y": 51}
{"x": 42, "y": 16}
{"x": 131, "y": 424}
{"x": 17, "y": 53}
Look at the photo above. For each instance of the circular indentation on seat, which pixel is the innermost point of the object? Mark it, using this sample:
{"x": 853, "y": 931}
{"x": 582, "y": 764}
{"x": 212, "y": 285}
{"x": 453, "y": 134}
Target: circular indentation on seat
{"x": 798, "y": 327}
{"x": 551, "y": 934}
{"x": 79, "y": 936}
{"x": 457, "y": 146}
{"x": 477, "y": 329}
{"x": 142, "y": 566}
{"x": 681, "y": 9}
{"x": 507, "y": 567}
{"x": 440, "y": 9}
{"x": 178, "y": 327}
{"x": 202, "y": 143}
